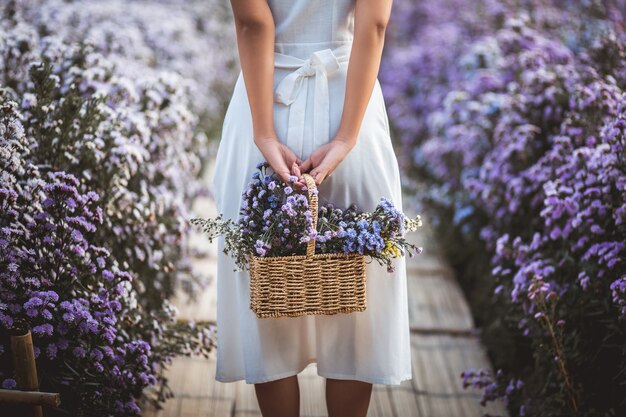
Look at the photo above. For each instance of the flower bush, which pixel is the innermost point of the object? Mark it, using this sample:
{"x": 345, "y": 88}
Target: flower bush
{"x": 192, "y": 38}
{"x": 515, "y": 130}
{"x": 78, "y": 329}
{"x": 97, "y": 165}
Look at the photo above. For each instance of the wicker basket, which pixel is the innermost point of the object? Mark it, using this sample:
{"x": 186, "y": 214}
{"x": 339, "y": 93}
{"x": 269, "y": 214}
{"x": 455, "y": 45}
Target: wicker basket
{"x": 292, "y": 286}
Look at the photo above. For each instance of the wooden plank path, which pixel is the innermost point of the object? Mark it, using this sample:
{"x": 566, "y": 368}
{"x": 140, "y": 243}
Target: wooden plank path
{"x": 443, "y": 339}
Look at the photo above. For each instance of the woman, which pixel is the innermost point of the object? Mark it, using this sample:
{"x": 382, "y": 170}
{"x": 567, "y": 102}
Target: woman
{"x": 308, "y": 100}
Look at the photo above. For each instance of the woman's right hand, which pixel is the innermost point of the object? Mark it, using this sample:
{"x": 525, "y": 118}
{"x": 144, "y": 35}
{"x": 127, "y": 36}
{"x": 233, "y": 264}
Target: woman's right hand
{"x": 325, "y": 159}
{"x": 283, "y": 160}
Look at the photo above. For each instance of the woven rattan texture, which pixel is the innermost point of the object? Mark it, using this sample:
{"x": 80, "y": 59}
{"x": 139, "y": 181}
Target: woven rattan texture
{"x": 292, "y": 286}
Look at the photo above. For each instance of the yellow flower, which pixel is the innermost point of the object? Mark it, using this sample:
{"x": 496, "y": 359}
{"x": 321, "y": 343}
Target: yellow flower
{"x": 391, "y": 250}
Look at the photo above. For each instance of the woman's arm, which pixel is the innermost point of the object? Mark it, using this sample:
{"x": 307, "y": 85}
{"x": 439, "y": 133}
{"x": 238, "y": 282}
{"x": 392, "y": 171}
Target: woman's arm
{"x": 255, "y": 30}
{"x": 370, "y": 23}
{"x": 254, "y": 26}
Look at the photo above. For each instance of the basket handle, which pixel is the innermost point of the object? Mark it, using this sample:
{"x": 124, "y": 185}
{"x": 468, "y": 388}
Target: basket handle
{"x": 310, "y": 185}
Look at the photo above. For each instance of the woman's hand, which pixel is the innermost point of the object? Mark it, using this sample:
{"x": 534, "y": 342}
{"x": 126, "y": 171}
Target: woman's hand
{"x": 255, "y": 30}
{"x": 325, "y": 159}
{"x": 283, "y": 161}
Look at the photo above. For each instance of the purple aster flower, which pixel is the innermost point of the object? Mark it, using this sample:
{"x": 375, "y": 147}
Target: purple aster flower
{"x": 132, "y": 407}
{"x": 108, "y": 275}
{"x": 9, "y": 383}
{"x": 45, "y": 329}
{"x": 79, "y": 352}
{"x": 96, "y": 354}
{"x": 33, "y": 302}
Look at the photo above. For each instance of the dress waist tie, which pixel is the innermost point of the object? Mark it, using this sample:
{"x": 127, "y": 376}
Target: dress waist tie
{"x": 320, "y": 64}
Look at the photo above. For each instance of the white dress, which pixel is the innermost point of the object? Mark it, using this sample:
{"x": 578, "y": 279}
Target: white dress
{"x": 313, "y": 40}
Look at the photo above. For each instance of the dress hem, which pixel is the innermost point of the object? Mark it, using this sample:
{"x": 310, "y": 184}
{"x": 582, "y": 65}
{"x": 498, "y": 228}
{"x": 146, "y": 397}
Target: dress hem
{"x": 371, "y": 380}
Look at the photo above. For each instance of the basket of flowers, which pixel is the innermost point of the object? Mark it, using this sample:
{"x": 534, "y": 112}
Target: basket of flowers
{"x": 304, "y": 259}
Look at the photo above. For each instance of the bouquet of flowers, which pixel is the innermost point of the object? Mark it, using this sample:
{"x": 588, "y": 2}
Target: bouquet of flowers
{"x": 275, "y": 220}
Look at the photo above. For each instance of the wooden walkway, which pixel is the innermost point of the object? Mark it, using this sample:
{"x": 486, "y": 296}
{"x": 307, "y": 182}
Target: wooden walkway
{"x": 443, "y": 338}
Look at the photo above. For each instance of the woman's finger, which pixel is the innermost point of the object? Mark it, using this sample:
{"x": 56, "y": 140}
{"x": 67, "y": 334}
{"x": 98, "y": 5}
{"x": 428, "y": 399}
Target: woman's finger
{"x": 306, "y": 165}
{"x": 284, "y": 175}
{"x": 296, "y": 170}
{"x": 318, "y": 175}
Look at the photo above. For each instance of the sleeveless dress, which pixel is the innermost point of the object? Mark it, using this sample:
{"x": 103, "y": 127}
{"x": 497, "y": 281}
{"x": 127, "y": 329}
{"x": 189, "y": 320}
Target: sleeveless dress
{"x": 312, "y": 44}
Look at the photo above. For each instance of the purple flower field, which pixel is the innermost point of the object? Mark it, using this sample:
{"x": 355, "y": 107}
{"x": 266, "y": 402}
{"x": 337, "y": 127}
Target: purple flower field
{"x": 102, "y": 138}
{"x": 510, "y": 122}
{"x": 512, "y": 117}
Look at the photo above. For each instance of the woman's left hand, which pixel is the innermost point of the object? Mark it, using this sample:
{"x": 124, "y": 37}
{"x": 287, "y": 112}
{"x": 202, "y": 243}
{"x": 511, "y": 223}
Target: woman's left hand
{"x": 283, "y": 160}
{"x": 325, "y": 159}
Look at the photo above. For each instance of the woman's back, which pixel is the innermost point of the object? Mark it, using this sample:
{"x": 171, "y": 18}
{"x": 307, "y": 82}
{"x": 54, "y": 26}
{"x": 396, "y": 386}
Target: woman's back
{"x": 372, "y": 345}
{"x": 328, "y": 22}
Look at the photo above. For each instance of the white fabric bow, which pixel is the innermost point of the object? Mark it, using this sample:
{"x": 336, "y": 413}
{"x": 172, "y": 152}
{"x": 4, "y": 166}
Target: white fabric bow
{"x": 320, "y": 64}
